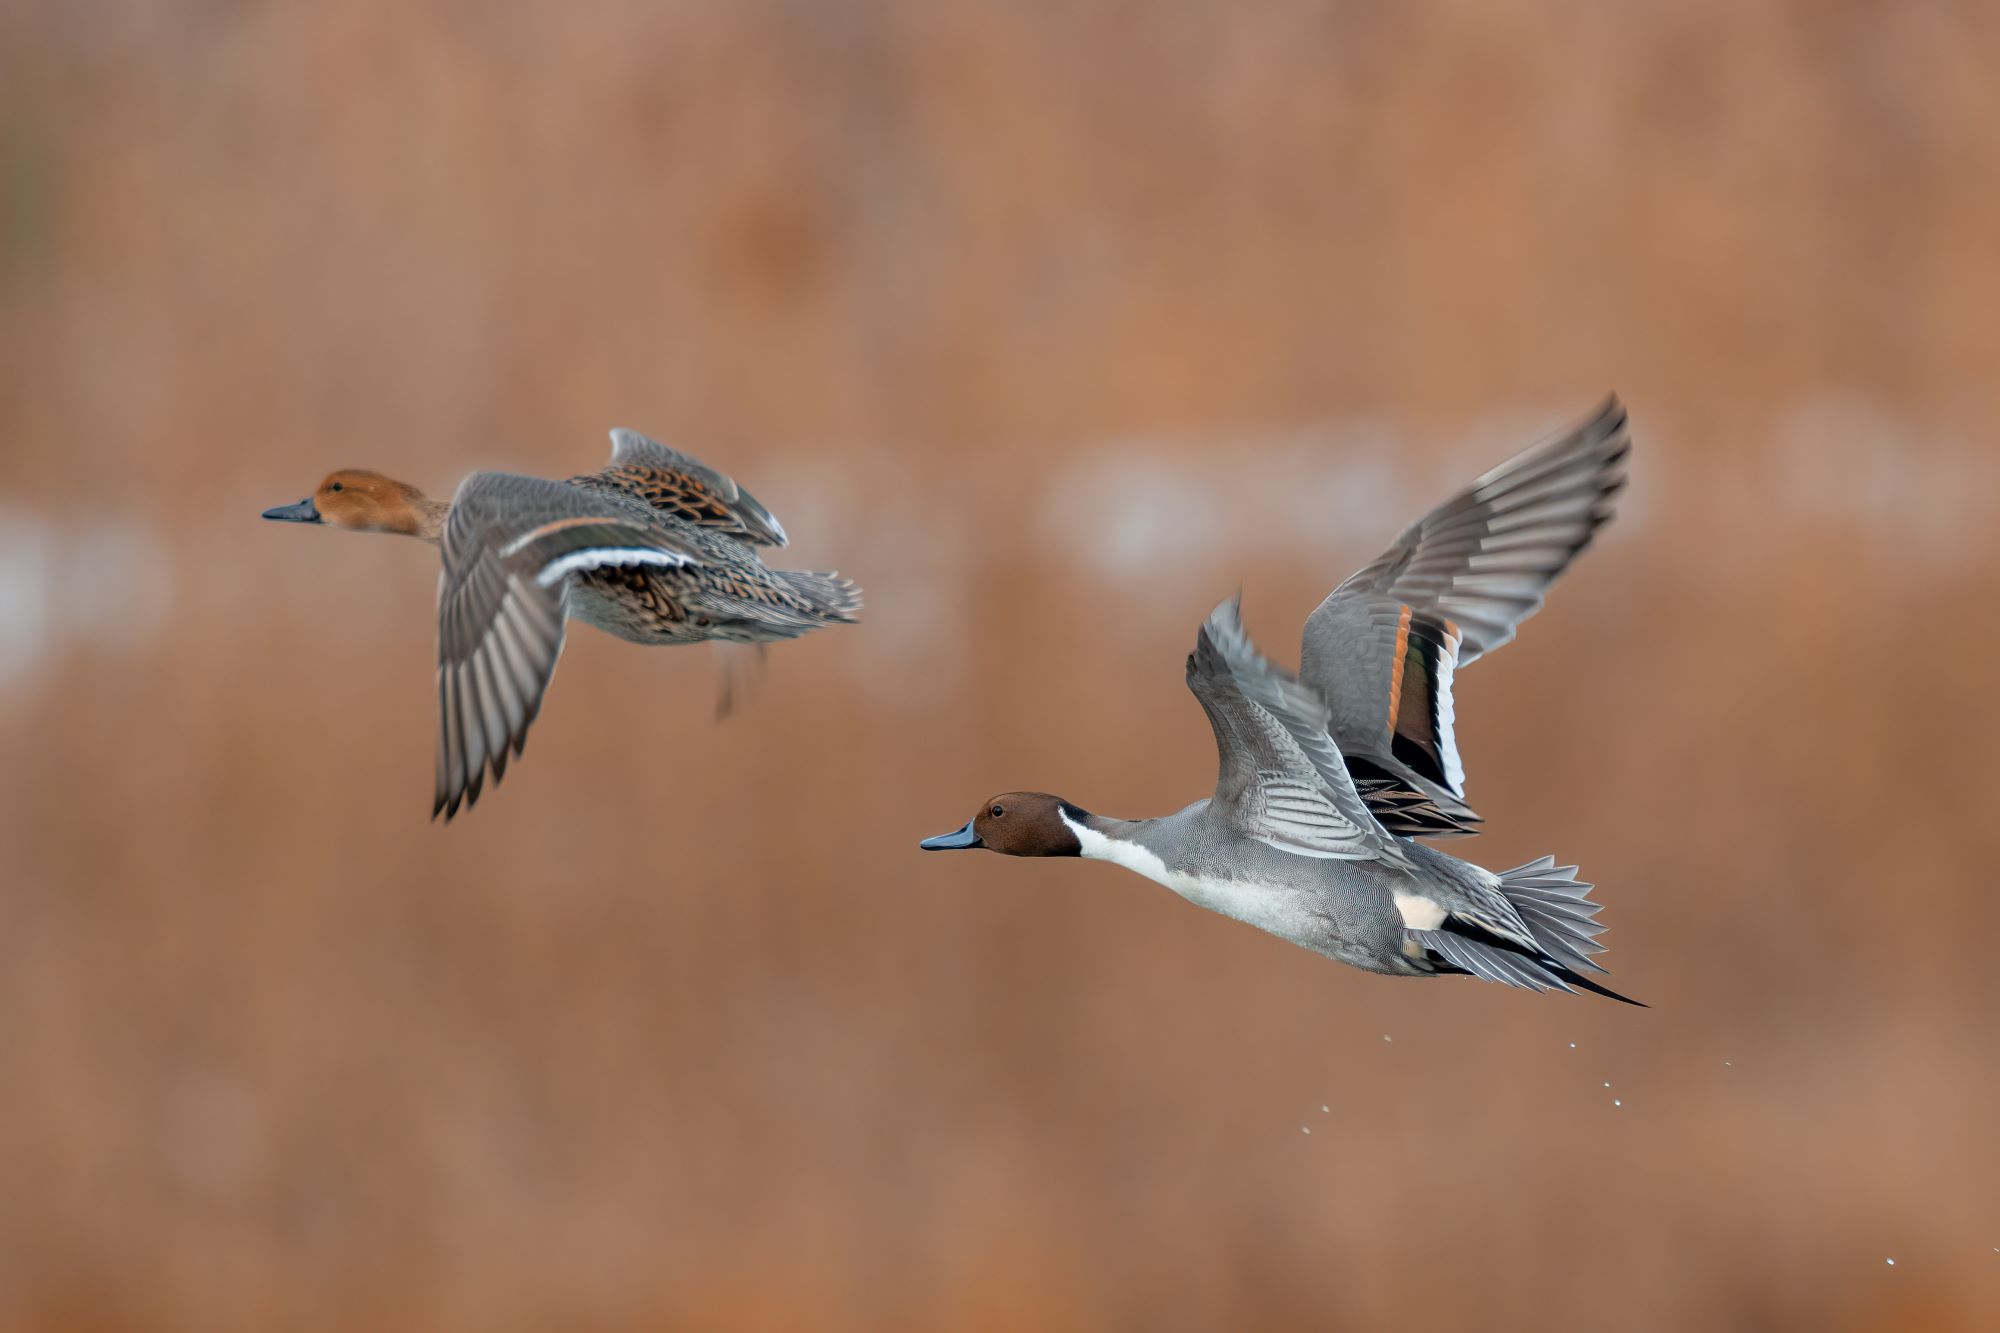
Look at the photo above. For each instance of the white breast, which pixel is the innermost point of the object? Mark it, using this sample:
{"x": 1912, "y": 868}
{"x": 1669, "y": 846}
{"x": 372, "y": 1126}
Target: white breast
{"x": 1267, "y": 907}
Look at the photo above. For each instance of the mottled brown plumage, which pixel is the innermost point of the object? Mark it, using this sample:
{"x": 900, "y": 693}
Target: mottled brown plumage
{"x": 657, "y": 548}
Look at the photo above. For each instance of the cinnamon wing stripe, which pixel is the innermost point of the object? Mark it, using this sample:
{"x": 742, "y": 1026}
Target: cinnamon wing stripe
{"x": 1384, "y": 646}
{"x": 1396, "y": 667}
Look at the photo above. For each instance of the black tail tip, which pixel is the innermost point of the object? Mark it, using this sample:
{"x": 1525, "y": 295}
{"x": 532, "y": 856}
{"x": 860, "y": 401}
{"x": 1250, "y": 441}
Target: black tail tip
{"x": 1572, "y": 979}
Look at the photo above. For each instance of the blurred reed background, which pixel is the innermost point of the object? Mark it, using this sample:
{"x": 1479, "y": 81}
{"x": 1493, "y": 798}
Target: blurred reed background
{"x": 1050, "y": 323}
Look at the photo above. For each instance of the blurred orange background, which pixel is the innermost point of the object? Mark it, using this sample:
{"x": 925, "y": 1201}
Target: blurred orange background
{"x": 1051, "y": 324}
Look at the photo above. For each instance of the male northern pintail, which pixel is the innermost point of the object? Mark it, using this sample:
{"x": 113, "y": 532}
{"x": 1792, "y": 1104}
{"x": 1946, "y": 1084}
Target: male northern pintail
{"x": 656, "y": 548}
{"x": 1327, "y": 777}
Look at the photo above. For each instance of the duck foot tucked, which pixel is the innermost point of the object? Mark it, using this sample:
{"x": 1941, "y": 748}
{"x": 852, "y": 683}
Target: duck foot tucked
{"x": 740, "y": 670}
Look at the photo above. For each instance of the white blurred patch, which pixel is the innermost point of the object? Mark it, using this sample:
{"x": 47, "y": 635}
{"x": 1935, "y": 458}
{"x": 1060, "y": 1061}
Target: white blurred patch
{"x": 27, "y": 560}
{"x": 114, "y": 581}
{"x": 1150, "y": 514}
{"x": 1153, "y": 513}
{"x": 104, "y": 583}
{"x": 1845, "y": 460}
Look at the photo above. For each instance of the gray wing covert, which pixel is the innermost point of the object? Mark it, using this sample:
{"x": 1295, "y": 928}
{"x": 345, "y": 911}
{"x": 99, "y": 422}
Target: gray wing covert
{"x": 1280, "y": 779}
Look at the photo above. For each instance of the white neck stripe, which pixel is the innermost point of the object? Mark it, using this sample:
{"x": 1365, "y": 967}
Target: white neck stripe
{"x": 1102, "y": 847}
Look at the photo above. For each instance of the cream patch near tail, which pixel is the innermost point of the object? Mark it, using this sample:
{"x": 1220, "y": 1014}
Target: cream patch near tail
{"x": 1419, "y": 912}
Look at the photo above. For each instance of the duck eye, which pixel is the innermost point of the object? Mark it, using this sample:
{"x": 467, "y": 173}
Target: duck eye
{"x": 336, "y": 487}
{"x": 997, "y": 811}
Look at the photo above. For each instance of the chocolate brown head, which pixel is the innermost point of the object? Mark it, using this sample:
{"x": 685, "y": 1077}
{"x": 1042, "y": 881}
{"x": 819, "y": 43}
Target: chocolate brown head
{"x": 363, "y": 501}
{"x": 1018, "y": 823}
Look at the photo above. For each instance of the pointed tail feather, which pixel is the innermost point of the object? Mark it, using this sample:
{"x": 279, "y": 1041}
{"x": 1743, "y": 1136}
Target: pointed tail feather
{"x": 833, "y": 597}
{"x": 1555, "y": 906}
{"x": 1606, "y": 991}
{"x": 1490, "y": 958}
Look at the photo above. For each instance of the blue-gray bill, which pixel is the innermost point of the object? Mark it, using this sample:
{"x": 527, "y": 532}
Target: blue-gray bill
{"x": 305, "y": 511}
{"x": 946, "y": 842}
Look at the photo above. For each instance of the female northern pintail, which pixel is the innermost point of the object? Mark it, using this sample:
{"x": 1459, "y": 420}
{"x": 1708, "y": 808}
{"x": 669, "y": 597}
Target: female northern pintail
{"x": 656, "y": 548}
{"x": 1326, "y": 777}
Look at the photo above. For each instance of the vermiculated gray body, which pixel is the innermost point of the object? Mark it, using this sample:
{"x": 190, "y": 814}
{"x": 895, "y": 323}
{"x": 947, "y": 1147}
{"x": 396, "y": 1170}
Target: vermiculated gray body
{"x": 1345, "y": 910}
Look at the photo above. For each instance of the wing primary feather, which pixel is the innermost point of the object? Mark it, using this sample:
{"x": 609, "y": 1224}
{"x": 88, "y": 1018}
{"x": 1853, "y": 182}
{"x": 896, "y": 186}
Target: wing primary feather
{"x": 443, "y": 784}
{"x": 454, "y": 753}
{"x": 487, "y": 692}
{"x": 471, "y": 737}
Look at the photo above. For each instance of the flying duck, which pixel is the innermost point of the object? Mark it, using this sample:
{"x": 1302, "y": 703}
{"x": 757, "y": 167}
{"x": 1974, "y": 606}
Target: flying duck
{"x": 1328, "y": 778}
{"x": 656, "y": 548}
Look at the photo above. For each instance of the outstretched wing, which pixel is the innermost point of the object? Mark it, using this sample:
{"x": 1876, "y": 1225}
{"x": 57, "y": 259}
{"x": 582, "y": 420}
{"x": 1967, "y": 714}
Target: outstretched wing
{"x": 1383, "y": 646}
{"x": 510, "y": 547}
{"x": 1281, "y": 778}
{"x": 674, "y": 483}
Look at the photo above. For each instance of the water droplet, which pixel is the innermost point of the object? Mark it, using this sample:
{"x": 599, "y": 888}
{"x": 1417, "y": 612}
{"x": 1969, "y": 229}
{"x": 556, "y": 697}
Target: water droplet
{"x": 1607, "y": 1085}
{"x": 1324, "y": 1108}
{"x": 1616, "y": 1102}
{"x": 1725, "y": 1064}
{"x": 1572, "y": 1046}
{"x": 1387, "y": 1037}
{"x": 1892, "y": 1263}
{"x": 1307, "y": 1129}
